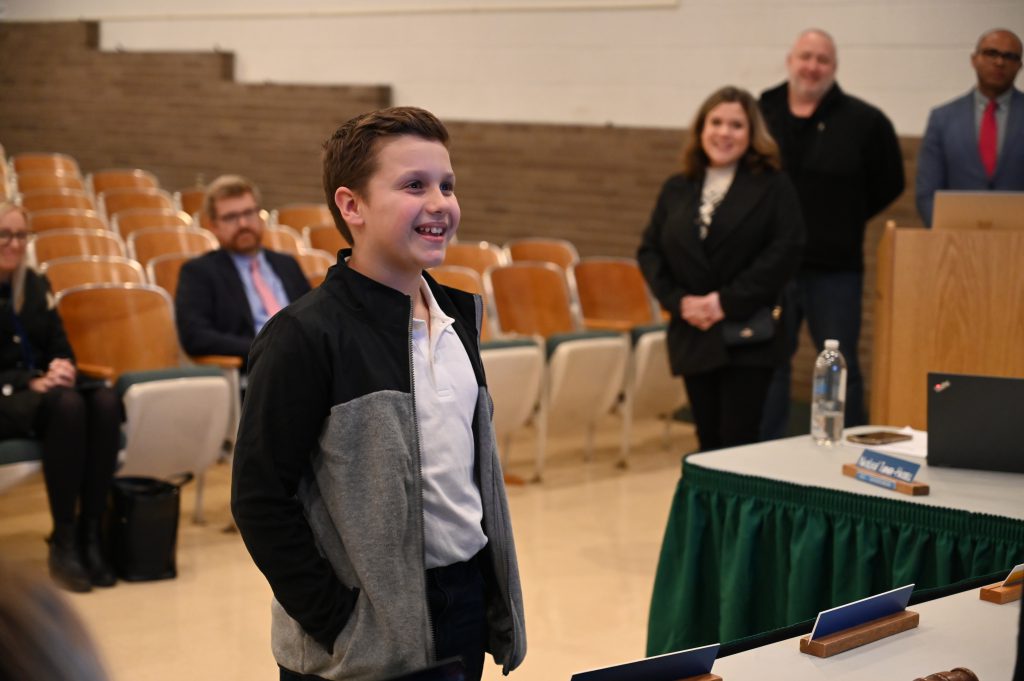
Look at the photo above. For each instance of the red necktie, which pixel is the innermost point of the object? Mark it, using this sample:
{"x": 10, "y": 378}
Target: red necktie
{"x": 988, "y": 138}
{"x": 267, "y": 297}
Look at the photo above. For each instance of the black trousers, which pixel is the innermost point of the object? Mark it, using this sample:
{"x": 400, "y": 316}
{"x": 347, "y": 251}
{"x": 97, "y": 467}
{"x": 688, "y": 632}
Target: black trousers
{"x": 456, "y": 595}
{"x": 727, "y": 404}
{"x": 80, "y": 433}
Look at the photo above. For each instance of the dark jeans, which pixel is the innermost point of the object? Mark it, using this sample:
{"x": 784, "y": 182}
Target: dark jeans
{"x": 457, "y": 601}
{"x": 727, "y": 403}
{"x": 831, "y": 302}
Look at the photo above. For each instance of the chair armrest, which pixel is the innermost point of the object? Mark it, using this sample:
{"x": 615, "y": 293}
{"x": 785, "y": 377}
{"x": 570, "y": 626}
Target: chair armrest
{"x": 96, "y": 371}
{"x": 221, "y": 361}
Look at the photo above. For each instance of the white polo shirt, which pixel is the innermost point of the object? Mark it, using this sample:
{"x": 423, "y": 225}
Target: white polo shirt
{"x": 445, "y": 391}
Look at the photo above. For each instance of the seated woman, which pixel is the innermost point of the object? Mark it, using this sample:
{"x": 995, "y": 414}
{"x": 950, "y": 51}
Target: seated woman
{"x": 41, "y": 396}
{"x": 724, "y": 238}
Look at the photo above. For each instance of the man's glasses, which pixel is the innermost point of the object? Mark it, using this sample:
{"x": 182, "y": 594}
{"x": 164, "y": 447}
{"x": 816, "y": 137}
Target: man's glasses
{"x": 7, "y": 235}
{"x": 992, "y": 54}
{"x": 234, "y": 218}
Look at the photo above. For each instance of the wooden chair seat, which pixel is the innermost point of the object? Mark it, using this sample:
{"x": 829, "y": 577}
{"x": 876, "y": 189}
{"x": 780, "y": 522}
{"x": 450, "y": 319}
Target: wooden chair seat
{"x": 146, "y": 244}
{"x": 113, "y": 201}
{"x": 324, "y": 237}
{"x": 121, "y": 178}
{"x": 127, "y": 221}
{"x": 531, "y": 298}
{"x": 36, "y": 181}
{"x": 283, "y": 239}
{"x": 479, "y": 255}
{"x": 49, "y": 199}
{"x": 65, "y": 218}
{"x": 300, "y": 215}
{"x": 62, "y": 243}
{"x": 65, "y": 273}
{"x": 557, "y": 251}
{"x": 613, "y": 294}
{"x": 165, "y": 269}
{"x": 45, "y": 162}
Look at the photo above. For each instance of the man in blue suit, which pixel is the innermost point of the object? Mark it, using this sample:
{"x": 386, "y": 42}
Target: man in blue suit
{"x": 976, "y": 142}
{"x": 226, "y": 296}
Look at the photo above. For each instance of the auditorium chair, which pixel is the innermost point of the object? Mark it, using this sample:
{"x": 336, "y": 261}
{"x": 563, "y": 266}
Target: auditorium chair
{"x": 190, "y": 199}
{"x": 314, "y": 264}
{"x": 121, "y": 178}
{"x": 585, "y": 369}
{"x": 65, "y": 218}
{"x": 176, "y": 413}
{"x": 145, "y": 244}
{"x": 613, "y": 295}
{"x": 45, "y": 162}
{"x": 300, "y": 215}
{"x": 113, "y": 201}
{"x": 128, "y": 221}
{"x": 62, "y": 243}
{"x": 282, "y": 238}
{"x": 78, "y": 270}
{"x": 466, "y": 279}
{"x": 476, "y": 255}
{"x": 38, "y": 181}
{"x": 49, "y": 199}
{"x": 164, "y": 270}
{"x": 324, "y": 237}
{"x": 557, "y": 251}
{"x": 20, "y": 459}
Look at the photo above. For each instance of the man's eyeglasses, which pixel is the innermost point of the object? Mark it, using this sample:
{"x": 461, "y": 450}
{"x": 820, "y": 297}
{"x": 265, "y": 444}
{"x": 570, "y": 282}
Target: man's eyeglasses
{"x": 7, "y": 235}
{"x": 992, "y": 54}
{"x": 234, "y": 218}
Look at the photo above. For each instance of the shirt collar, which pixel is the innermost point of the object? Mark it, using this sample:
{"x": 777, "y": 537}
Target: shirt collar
{"x": 1002, "y": 101}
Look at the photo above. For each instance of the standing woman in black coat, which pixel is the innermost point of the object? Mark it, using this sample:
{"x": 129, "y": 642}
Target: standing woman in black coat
{"x": 41, "y": 396}
{"x": 725, "y": 236}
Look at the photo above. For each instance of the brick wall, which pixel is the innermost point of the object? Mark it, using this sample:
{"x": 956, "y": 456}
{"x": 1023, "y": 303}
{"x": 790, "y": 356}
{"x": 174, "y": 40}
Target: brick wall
{"x": 182, "y": 116}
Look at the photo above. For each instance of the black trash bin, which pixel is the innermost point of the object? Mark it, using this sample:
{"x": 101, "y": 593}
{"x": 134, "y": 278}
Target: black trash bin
{"x": 144, "y": 527}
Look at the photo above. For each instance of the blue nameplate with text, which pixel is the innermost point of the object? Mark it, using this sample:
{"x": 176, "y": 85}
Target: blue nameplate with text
{"x": 667, "y": 667}
{"x": 859, "y": 612}
{"x": 889, "y": 466}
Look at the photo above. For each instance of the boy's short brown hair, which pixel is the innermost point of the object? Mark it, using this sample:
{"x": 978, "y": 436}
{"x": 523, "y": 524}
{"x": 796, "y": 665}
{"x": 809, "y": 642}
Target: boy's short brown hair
{"x": 350, "y": 154}
{"x": 227, "y": 187}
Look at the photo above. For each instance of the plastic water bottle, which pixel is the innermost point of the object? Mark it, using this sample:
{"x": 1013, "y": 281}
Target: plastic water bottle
{"x": 829, "y": 396}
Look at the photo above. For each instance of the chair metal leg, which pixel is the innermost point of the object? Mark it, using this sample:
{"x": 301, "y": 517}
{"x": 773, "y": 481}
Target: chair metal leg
{"x": 542, "y": 431}
{"x": 198, "y": 517}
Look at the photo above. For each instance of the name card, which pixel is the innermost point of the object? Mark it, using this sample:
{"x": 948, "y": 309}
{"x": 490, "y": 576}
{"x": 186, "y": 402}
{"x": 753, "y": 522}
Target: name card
{"x": 668, "y": 667}
{"x": 887, "y": 465}
{"x": 1016, "y": 576}
{"x": 865, "y": 610}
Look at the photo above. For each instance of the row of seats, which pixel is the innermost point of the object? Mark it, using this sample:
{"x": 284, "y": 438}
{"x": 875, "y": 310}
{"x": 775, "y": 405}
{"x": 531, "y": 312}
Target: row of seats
{"x": 599, "y": 342}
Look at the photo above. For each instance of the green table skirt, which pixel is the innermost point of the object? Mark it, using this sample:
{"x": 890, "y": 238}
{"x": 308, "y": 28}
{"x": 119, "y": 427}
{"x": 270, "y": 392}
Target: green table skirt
{"x": 743, "y": 555}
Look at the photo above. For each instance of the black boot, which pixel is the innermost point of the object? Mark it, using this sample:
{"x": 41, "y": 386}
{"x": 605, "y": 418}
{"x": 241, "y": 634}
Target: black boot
{"x": 93, "y": 557}
{"x": 66, "y": 567}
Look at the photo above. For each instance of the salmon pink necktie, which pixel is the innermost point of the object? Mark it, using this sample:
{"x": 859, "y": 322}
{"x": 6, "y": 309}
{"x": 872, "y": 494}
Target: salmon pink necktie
{"x": 267, "y": 297}
{"x": 987, "y": 139}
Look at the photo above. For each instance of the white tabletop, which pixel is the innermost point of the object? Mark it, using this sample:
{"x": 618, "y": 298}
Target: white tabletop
{"x": 956, "y": 631}
{"x": 799, "y": 461}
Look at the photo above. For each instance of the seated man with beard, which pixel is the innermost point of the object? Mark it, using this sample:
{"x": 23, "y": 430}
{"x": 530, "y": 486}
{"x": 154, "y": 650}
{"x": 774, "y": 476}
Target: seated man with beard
{"x": 226, "y": 296}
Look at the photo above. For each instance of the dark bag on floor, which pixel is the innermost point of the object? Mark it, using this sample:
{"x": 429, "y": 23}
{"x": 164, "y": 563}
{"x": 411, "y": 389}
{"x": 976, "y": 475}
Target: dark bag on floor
{"x": 144, "y": 527}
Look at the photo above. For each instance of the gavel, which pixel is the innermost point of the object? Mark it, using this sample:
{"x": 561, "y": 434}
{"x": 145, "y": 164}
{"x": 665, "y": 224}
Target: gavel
{"x": 958, "y": 674}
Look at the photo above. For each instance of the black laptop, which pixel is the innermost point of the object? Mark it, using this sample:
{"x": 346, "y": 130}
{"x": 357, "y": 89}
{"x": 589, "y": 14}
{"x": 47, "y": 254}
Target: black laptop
{"x": 976, "y": 422}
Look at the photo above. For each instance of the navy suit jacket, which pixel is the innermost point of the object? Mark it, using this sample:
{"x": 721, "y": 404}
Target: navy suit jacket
{"x": 949, "y": 157}
{"x": 211, "y": 307}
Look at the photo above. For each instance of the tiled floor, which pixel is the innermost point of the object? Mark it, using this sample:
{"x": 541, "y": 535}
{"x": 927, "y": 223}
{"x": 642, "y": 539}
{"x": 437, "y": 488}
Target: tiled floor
{"x": 588, "y": 540}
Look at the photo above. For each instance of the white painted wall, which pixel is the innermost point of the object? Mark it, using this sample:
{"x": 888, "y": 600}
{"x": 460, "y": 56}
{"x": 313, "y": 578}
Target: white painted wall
{"x": 563, "y": 61}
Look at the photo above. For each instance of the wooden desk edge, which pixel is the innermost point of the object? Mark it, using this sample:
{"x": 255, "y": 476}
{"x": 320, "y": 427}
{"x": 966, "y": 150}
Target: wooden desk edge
{"x": 914, "y": 489}
{"x": 702, "y": 677}
{"x": 860, "y": 635}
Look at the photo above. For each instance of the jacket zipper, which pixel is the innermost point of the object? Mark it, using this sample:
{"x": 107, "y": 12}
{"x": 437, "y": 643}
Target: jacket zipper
{"x": 423, "y": 515}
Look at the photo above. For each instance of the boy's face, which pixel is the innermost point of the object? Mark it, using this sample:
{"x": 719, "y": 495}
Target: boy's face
{"x": 408, "y": 213}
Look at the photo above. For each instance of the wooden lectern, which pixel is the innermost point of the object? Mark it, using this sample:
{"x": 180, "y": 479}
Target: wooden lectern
{"x": 949, "y": 301}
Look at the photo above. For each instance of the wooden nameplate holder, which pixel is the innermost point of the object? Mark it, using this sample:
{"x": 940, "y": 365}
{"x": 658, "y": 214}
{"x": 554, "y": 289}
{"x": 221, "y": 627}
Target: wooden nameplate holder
{"x": 914, "y": 489}
{"x": 862, "y": 634}
{"x": 999, "y": 594}
{"x": 702, "y": 677}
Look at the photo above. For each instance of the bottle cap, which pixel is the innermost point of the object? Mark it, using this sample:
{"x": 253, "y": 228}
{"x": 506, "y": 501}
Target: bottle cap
{"x": 831, "y": 344}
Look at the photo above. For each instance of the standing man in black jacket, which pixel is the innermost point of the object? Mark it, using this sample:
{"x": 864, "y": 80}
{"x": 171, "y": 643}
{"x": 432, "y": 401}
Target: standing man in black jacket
{"x": 844, "y": 159}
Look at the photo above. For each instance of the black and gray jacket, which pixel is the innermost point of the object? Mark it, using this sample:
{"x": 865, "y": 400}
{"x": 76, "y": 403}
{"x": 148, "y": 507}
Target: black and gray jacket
{"x": 327, "y": 484}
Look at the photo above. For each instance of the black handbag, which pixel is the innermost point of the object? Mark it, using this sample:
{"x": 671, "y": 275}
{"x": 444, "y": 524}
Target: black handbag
{"x": 144, "y": 527}
{"x": 758, "y": 328}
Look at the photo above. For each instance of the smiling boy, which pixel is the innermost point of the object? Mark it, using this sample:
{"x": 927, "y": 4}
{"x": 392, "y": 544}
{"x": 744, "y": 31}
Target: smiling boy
{"x": 366, "y": 481}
